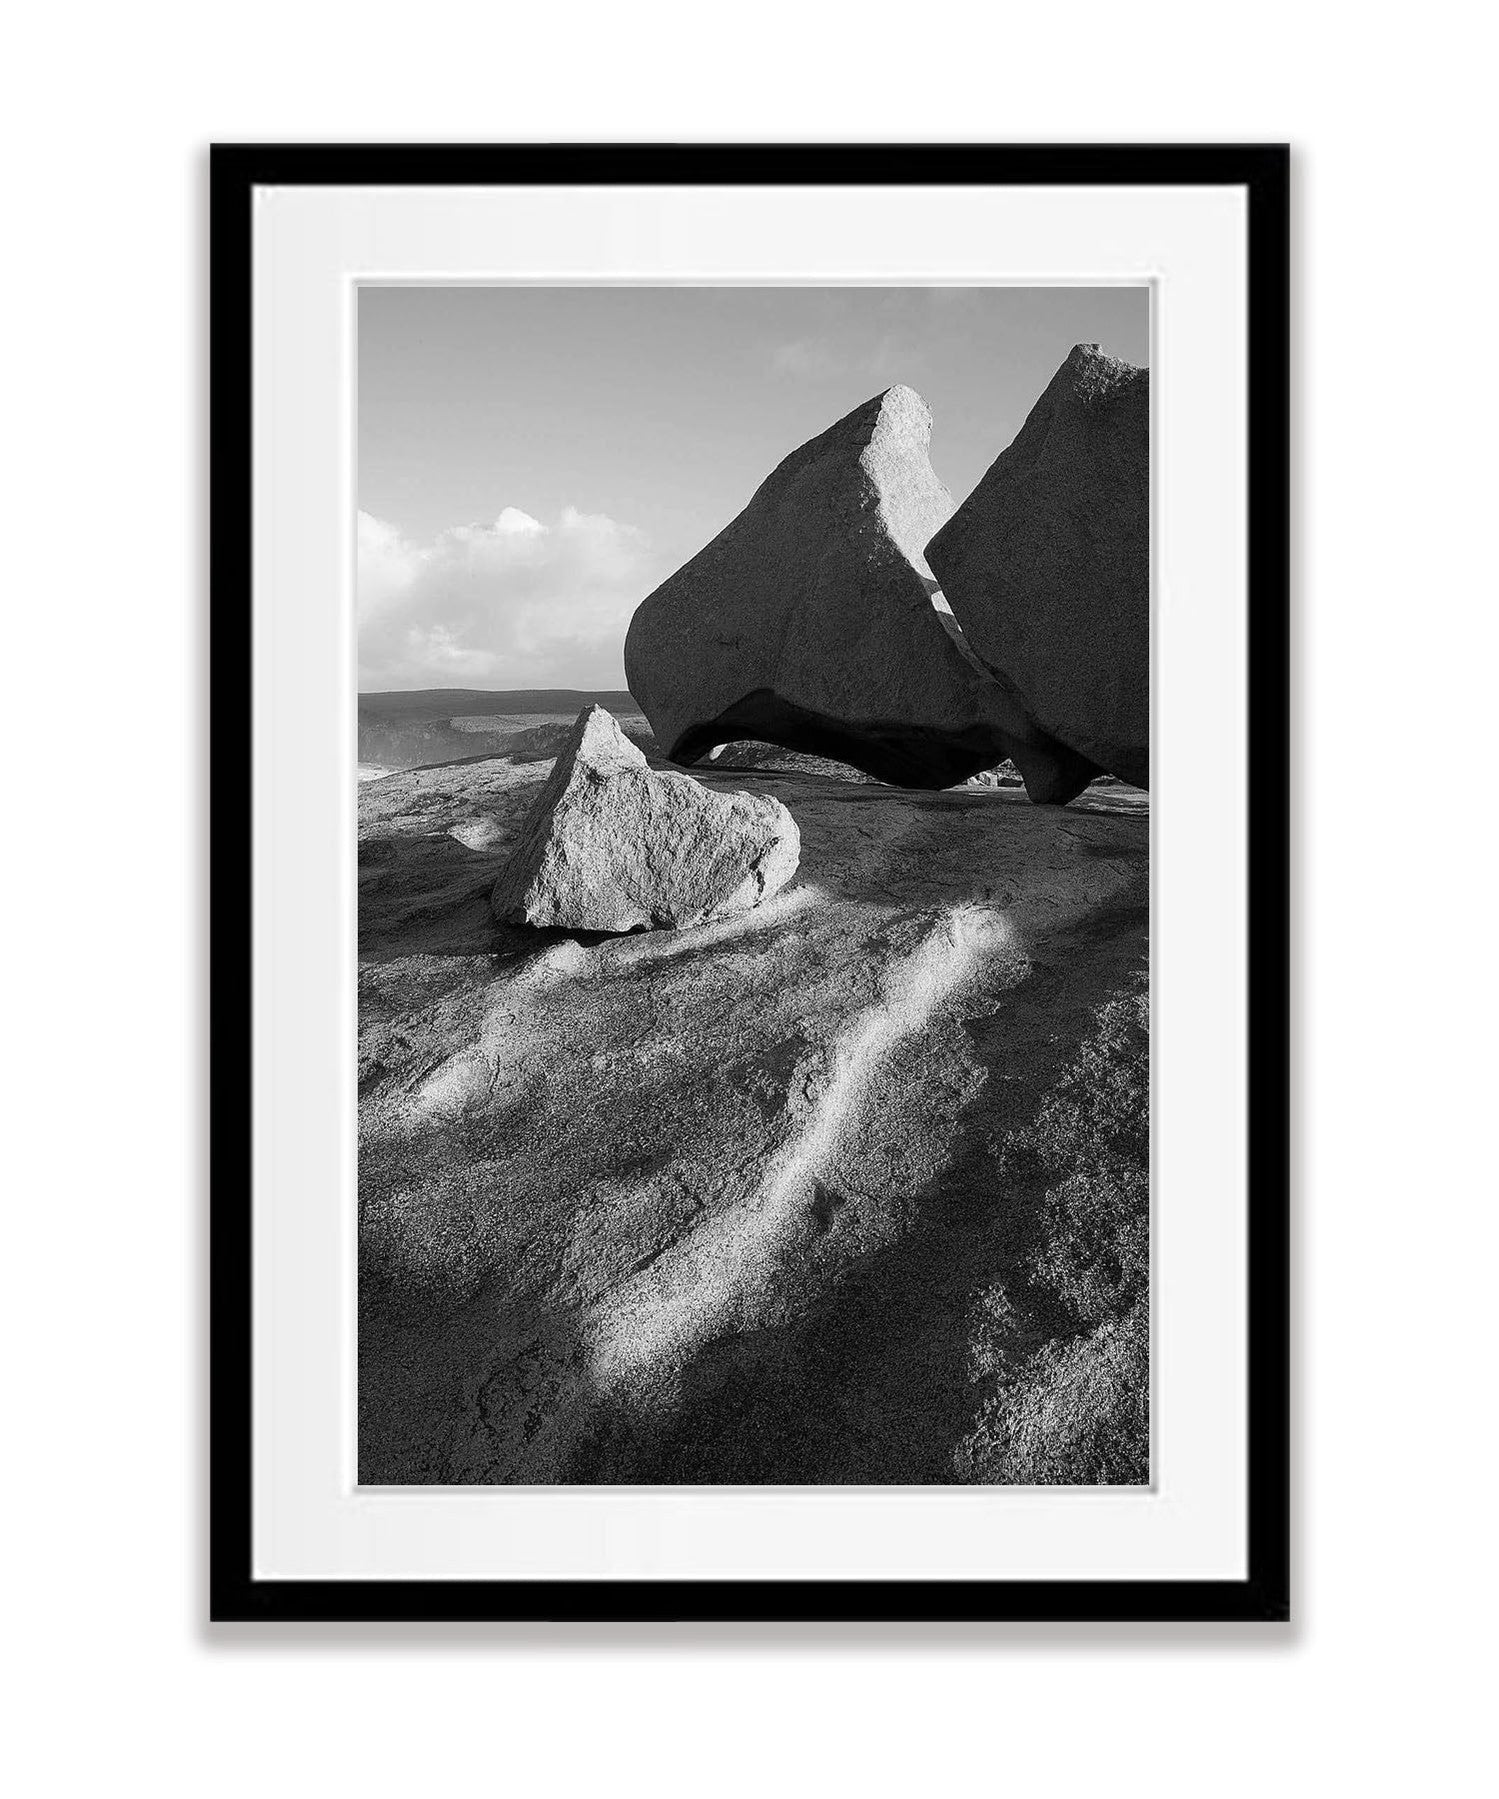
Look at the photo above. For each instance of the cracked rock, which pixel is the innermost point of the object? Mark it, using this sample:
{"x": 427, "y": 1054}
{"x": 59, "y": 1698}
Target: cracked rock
{"x": 808, "y": 622}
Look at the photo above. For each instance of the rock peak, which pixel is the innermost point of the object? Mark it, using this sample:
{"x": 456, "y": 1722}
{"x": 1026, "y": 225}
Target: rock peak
{"x": 1096, "y": 376}
{"x": 897, "y": 417}
{"x": 597, "y": 742}
{"x": 904, "y": 405}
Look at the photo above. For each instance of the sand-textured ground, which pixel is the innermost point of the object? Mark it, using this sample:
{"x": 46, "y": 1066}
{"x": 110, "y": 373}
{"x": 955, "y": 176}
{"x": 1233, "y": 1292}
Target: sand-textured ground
{"x": 850, "y": 1189}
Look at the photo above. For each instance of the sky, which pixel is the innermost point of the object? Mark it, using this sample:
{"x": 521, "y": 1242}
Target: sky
{"x": 534, "y": 461}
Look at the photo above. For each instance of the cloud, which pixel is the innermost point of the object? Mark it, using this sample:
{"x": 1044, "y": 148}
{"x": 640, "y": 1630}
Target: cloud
{"x": 890, "y": 357}
{"x": 516, "y": 603}
{"x": 806, "y": 358}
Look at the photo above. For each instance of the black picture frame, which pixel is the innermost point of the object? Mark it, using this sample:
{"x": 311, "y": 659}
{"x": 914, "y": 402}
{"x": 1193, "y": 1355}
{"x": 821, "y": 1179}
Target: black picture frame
{"x": 1262, "y": 171}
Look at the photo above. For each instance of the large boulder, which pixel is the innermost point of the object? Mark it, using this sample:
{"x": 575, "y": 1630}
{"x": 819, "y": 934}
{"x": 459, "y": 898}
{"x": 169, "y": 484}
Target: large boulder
{"x": 1046, "y": 564}
{"x": 611, "y": 845}
{"x": 808, "y": 622}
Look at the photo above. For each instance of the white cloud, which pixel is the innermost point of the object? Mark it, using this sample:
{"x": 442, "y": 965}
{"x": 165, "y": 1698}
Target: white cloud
{"x": 517, "y": 603}
{"x": 807, "y": 359}
{"x": 512, "y": 522}
{"x": 892, "y": 356}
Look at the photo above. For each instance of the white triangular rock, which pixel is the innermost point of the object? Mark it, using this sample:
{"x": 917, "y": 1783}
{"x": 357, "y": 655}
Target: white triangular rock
{"x": 611, "y": 845}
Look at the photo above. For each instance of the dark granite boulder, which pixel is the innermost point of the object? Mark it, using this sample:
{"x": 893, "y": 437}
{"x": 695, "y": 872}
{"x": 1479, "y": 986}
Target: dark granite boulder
{"x": 808, "y": 622}
{"x": 1046, "y": 564}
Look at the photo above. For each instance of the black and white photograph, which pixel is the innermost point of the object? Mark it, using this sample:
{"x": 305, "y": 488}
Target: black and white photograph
{"x": 753, "y": 885}
{"x": 747, "y": 1056}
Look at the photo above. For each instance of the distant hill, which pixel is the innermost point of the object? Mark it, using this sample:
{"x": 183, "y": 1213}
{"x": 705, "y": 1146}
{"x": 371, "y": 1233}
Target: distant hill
{"x": 452, "y": 724}
{"x": 458, "y": 702}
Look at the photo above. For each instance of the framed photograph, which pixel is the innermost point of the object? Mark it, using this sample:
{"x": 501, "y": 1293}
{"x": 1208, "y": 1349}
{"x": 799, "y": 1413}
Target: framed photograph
{"x": 750, "y": 937}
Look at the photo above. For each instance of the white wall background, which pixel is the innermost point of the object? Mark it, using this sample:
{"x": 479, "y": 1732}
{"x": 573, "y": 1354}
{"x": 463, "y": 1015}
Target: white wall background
{"x": 116, "y": 1683}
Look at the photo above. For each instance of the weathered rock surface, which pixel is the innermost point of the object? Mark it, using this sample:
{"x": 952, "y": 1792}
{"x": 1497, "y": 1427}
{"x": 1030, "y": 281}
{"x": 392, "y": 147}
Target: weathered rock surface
{"x": 823, "y": 1193}
{"x": 1046, "y": 565}
{"x": 808, "y": 623}
{"x": 611, "y": 845}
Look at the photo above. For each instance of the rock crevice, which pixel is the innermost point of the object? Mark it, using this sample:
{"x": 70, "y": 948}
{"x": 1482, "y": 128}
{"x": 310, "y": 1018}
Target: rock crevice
{"x": 808, "y": 622}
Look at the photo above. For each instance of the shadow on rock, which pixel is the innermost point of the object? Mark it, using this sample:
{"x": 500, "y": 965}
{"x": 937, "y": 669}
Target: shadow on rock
{"x": 490, "y": 1390}
{"x": 876, "y": 1383}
